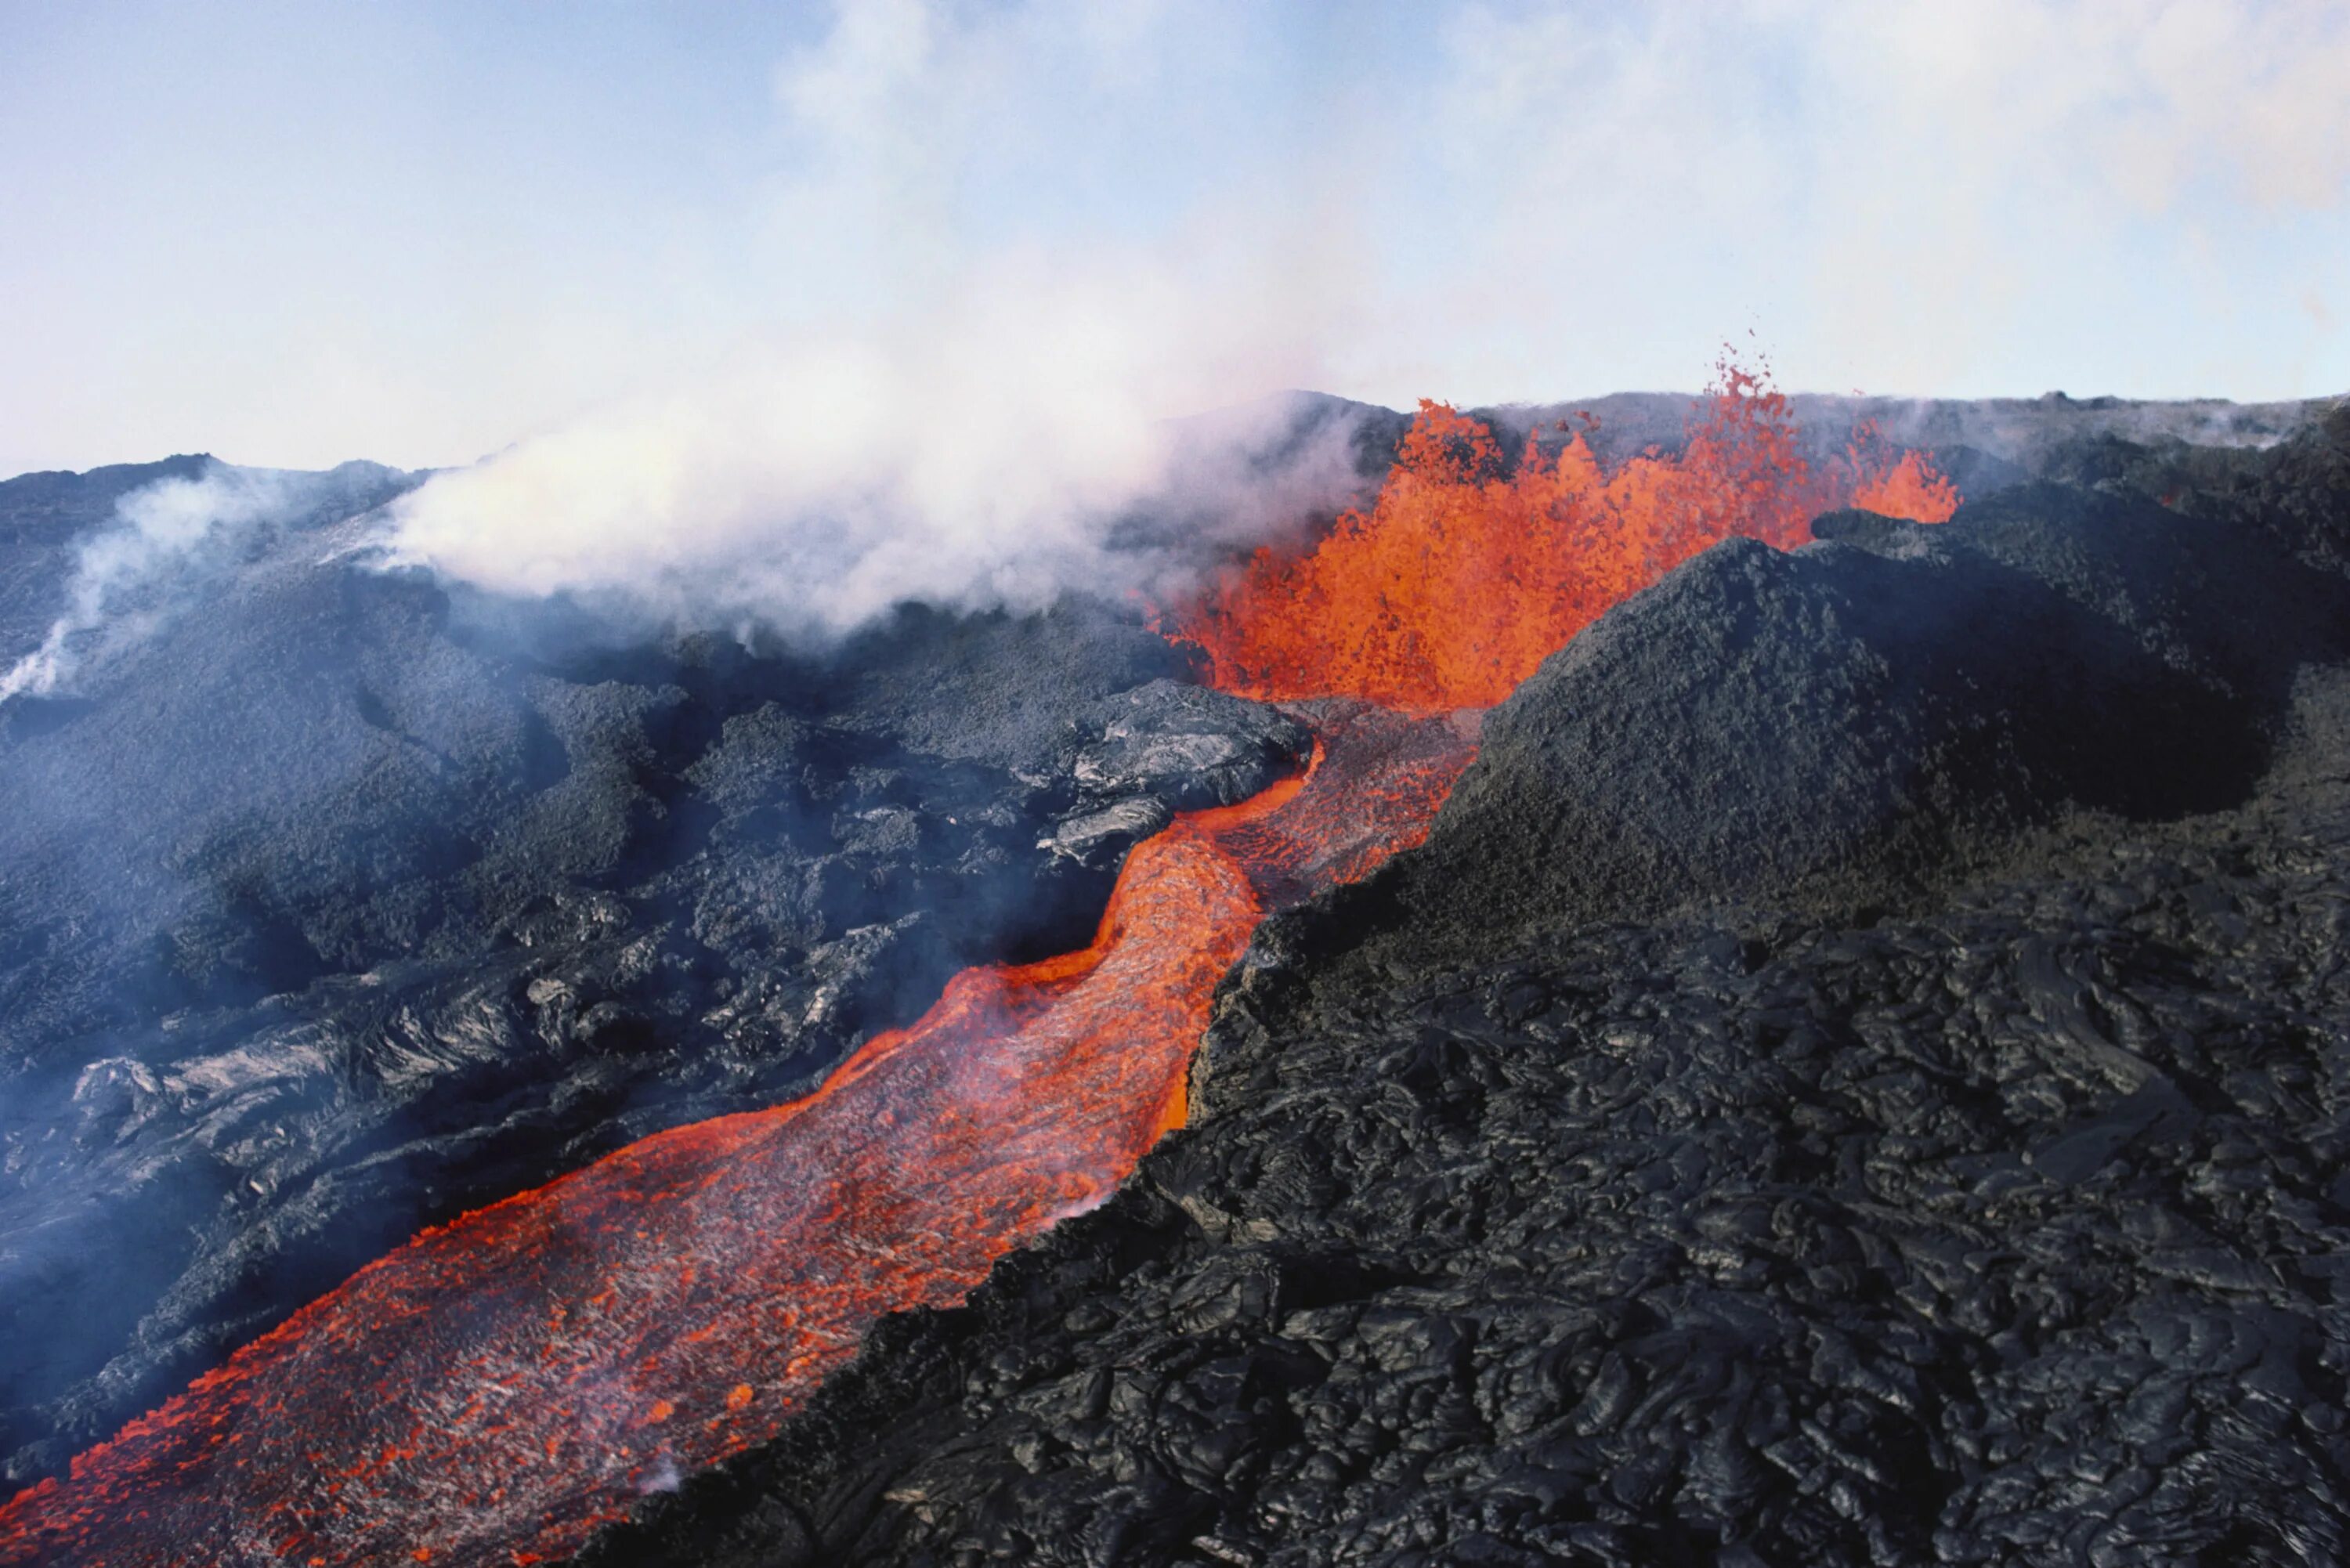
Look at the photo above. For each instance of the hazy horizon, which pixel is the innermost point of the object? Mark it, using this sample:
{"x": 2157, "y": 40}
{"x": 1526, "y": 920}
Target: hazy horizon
{"x": 421, "y": 233}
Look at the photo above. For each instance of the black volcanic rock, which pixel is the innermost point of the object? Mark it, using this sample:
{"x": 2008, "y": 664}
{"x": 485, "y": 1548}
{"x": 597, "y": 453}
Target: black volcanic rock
{"x": 42, "y": 517}
{"x": 1851, "y": 1079}
{"x": 1165, "y": 747}
{"x": 2297, "y": 493}
{"x": 1193, "y": 746}
{"x": 1988, "y": 442}
{"x": 1856, "y": 718}
{"x": 1936, "y": 1159}
{"x": 343, "y": 901}
{"x": 1100, "y": 836}
{"x": 2004, "y": 1236}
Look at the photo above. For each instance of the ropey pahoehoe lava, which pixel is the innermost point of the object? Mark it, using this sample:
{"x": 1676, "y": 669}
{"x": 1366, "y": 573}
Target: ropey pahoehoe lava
{"x": 511, "y": 1380}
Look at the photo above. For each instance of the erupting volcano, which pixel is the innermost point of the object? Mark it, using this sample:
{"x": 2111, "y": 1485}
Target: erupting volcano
{"x": 504, "y": 1384}
{"x": 1469, "y": 573}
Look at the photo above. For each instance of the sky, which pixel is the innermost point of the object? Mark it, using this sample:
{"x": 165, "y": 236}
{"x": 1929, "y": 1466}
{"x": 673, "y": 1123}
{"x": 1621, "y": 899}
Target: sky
{"x": 293, "y": 234}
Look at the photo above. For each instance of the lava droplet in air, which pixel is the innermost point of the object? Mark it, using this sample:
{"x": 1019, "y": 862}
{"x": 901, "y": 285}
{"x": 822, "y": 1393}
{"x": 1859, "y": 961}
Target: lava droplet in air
{"x": 507, "y": 1382}
{"x": 497, "y": 1389}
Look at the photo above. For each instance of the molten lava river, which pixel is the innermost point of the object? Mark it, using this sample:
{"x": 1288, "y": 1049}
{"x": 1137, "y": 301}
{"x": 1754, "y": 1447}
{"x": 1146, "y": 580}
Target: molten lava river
{"x": 502, "y": 1384}
{"x": 498, "y": 1387}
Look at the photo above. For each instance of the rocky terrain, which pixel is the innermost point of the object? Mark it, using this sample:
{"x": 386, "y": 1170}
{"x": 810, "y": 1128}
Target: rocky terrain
{"x": 337, "y": 900}
{"x": 1859, "y": 1074}
{"x": 1850, "y": 1077}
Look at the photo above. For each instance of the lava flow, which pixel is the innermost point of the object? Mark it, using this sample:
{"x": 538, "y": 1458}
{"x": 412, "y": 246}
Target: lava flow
{"x": 504, "y": 1383}
{"x": 499, "y": 1387}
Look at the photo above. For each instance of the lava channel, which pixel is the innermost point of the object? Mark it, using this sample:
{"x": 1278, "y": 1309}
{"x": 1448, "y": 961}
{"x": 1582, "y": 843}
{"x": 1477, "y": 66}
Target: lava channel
{"x": 504, "y": 1384}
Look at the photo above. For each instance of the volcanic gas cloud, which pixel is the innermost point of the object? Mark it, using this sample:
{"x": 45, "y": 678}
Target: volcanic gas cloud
{"x": 499, "y": 1387}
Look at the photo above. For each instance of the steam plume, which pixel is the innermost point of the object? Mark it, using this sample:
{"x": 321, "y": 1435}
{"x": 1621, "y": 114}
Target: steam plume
{"x": 167, "y": 539}
{"x": 991, "y": 456}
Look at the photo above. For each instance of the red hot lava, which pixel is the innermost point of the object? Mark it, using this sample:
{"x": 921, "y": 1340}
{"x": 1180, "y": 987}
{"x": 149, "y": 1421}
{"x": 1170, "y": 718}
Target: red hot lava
{"x": 1468, "y": 573}
{"x": 496, "y": 1389}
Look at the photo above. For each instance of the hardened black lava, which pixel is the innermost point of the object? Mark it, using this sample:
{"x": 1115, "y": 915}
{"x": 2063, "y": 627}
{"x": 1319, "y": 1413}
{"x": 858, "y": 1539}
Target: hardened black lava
{"x": 1859, "y": 1074}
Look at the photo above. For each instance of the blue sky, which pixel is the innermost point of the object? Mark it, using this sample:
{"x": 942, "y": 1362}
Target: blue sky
{"x": 291, "y": 233}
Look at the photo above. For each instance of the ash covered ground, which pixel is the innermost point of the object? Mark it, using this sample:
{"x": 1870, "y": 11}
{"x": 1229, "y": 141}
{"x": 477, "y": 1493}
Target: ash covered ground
{"x": 1859, "y": 1074}
{"x": 1851, "y": 1077}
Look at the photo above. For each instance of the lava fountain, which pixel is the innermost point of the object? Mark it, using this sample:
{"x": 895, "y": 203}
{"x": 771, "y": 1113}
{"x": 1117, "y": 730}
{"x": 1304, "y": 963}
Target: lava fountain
{"x": 504, "y": 1384}
{"x": 1469, "y": 573}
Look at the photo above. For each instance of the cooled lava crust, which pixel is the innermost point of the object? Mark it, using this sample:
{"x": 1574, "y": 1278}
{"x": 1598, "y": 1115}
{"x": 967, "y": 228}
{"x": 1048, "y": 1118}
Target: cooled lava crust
{"x": 496, "y": 1388}
{"x": 346, "y": 901}
{"x": 1858, "y": 1074}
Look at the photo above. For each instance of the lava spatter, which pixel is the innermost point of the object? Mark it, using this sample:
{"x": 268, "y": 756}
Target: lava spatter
{"x": 504, "y": 1383}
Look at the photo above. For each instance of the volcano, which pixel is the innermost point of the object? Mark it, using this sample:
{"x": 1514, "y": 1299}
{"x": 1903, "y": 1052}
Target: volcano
{"x": 1570, "y": 1183}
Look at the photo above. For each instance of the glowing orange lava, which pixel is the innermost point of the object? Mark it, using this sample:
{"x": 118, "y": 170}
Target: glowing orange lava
{"x": 1468, "y": 573}
{"x": 504, "y": 1384}
{"x": 497, "y": 1389}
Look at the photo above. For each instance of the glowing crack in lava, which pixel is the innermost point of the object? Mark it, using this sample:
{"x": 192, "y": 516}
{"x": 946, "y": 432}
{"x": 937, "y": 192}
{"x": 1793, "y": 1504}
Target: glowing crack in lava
{"x": 496, "y": 1389}
{"x": 504, "y": 1383}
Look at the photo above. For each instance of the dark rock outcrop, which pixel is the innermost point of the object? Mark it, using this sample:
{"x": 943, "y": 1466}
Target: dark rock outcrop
{"x": 1865, "y": 717}
{"x": 1189, "y": 745}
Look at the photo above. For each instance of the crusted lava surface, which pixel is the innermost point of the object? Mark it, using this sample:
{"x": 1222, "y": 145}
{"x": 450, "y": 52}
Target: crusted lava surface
{"x": 344, "y": 902}
{"x": 1859, "y": 1072}
{"x": 492, "y": 1391}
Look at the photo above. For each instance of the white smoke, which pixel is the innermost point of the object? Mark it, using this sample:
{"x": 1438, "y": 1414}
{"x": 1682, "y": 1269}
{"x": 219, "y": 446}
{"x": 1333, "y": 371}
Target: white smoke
{"x": 945, "y": 411}
{"x": 1005, "y": 323}
{"x": 981, "y": 458}
{"x": 166, "y": 540}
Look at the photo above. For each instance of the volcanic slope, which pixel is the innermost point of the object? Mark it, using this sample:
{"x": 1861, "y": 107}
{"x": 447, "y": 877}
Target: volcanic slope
{"x": 491, "y": 1392}
{"x": 1876, "y": 1095}
{"x": 336, "y": 901}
